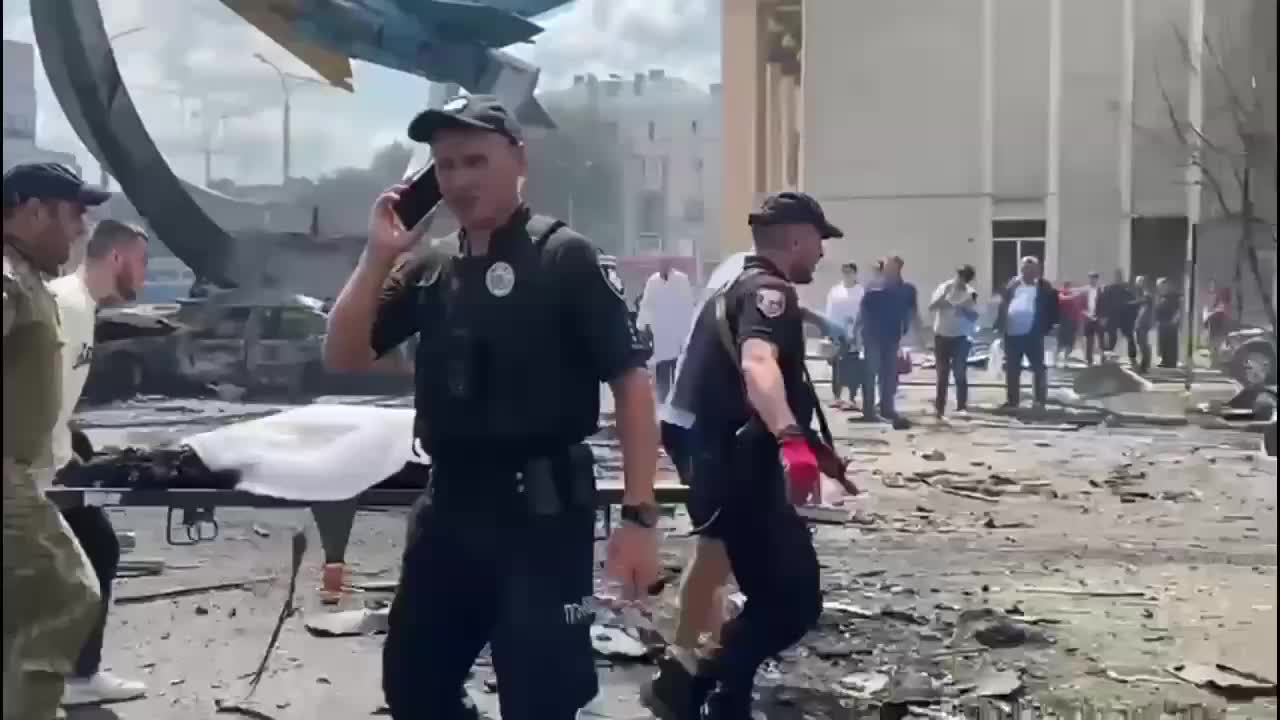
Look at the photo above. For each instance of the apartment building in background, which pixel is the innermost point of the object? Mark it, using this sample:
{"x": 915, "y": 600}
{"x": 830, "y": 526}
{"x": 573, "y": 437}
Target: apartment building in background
{"x": 979, "y": 131}
{"x": 667, "y": 134}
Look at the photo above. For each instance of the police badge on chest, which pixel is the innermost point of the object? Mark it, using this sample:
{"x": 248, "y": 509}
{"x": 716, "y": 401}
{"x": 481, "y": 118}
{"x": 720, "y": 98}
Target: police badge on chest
{"x": 500, "y": 279}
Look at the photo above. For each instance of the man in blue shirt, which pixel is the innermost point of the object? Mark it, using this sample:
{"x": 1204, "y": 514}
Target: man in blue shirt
{"x": 889, "y": 311}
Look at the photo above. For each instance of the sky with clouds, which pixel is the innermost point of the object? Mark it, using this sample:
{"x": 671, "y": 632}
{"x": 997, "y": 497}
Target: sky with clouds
{"x": 194, "y": 54}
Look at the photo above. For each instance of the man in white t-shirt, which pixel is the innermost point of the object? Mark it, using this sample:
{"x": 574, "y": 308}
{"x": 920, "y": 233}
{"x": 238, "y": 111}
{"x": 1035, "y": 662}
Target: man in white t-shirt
{"x": 113, "y": 272}
{"x": 844, "y": 302}
{"x": 666, "y": 309}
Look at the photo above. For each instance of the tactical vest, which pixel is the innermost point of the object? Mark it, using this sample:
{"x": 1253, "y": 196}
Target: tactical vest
{"x": 495, "y": 367}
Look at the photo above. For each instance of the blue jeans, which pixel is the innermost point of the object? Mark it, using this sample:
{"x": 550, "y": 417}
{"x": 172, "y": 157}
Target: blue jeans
{"x": 880, "y": 372}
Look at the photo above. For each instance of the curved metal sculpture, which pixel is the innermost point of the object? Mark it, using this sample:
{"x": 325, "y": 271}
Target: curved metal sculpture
{"x": 434, "y": 42}
{"x": 82, "y": 69}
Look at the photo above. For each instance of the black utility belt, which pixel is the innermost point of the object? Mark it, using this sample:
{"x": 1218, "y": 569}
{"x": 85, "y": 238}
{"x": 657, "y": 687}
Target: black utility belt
{"x": 543, "y": 484}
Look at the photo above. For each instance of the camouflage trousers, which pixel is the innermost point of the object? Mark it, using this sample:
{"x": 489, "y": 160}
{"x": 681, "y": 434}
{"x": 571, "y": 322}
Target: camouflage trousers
{"x": 51, "y": 598}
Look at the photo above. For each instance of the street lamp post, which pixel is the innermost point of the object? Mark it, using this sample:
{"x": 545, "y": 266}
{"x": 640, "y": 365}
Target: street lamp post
{"x": 213, "y": 129}
{"x": 284, "y": 124}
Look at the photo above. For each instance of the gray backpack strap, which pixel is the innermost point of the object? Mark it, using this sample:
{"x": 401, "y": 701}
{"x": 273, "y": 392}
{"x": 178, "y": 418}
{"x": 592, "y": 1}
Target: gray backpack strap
{"x": 542, "y": 228}
{"x": 722, "y": 314}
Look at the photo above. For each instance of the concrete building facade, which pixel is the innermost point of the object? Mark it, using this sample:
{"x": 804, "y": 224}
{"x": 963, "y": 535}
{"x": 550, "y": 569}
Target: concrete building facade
{"x": 969, "y": 131}
{"x": 669, "y": 145}
{"x": 20, "y": 110}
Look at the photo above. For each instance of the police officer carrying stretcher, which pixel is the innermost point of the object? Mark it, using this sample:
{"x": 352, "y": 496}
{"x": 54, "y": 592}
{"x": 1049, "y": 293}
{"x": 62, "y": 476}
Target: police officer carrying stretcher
{"x": 753, "y": 456}
{"x": 51, "y": 596}
{"x": 517, "y": 329}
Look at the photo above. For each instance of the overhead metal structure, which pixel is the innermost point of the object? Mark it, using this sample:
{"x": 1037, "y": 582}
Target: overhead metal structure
{"x": 82, "y": 69}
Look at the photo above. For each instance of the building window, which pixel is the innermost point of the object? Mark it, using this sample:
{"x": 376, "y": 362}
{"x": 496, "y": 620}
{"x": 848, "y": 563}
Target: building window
{"x": 693, "y": 209}
{"x": 650, "y": 213}
{"x": 653, "y": 129}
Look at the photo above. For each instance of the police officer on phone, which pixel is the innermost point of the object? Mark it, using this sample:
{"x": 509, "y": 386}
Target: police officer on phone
{"x": 754, "y": 455}
{"x": 517, "y": 329}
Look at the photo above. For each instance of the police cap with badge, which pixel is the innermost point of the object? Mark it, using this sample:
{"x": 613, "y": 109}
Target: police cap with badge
{"x": 794, "y": 208}
{"x": 480, "y": 112}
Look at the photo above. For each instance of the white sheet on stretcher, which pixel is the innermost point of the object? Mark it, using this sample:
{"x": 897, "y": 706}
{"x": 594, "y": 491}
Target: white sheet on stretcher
{"x": 312, "y": 453}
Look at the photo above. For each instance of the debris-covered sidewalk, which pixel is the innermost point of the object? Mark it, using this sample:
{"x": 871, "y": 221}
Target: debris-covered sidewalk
{"x": 991, "y": 562}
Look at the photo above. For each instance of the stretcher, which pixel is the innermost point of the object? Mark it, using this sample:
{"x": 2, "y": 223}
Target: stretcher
{"x": 194, "y": 510}
{"x": 293, "y": 459}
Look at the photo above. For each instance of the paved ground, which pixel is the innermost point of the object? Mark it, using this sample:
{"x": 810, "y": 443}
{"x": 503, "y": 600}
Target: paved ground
{"x": 1096, "y": 555}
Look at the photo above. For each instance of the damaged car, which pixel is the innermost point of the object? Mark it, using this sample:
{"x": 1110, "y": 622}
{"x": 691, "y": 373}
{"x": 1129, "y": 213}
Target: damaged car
{"x": 266, "y": 342}
{"x": 1248, "y": 355}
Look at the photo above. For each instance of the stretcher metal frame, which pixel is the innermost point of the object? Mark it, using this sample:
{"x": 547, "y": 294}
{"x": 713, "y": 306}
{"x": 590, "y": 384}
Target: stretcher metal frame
{"x": 195, "y": 507}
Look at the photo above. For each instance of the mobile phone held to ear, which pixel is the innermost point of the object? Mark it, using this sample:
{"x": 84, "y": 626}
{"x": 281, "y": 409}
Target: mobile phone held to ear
{"x": 422, "y": 195}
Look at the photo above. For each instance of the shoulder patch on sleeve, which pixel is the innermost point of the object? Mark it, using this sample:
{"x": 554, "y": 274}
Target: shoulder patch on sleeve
{"x": 771, "y": 302}
{"x": 612, "y": 279}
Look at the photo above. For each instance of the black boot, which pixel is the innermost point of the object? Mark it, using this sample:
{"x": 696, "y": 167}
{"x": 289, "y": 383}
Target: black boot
{"x": 675, "y": 693}
{"x": 721, "y": 705}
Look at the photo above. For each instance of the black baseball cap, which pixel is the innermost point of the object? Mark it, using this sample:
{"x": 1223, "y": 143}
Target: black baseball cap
{"x": 483, "y": 112}
{"x": 794, "y": 208}
{"x": 48, "y": 181}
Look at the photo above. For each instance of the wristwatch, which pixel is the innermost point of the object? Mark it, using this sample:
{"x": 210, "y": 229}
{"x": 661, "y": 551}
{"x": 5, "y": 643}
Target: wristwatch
{"x": 791, "y": 430}
{"x": 644, "y": 515}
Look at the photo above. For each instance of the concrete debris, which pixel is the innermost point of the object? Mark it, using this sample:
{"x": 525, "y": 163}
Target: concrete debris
{"x": 1125, "y": 679}
{"x": 905, "y": 616}
{"x": 1106, "y": 380}
{"x": 829, "y": 648}
{"x": 1007, "y": 633}
{"x": 349, "y": 623}
{"x": 893, "y": 481}
{"x": 846, "y": 610}
{"x": 243, "y": 709}
{"x": 1073, "y": 592}
{"x": 933, "y": 455}
{"x": 997, "y": 683}
{"x": 993, "y": 524}
{"x": 967, "y": 494}
{"x": 1225, "y": 680}
{"x": 864, "y": 684}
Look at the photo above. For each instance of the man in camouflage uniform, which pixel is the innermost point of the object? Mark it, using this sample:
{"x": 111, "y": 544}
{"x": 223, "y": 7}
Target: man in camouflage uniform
{"x": 51, "y": 596}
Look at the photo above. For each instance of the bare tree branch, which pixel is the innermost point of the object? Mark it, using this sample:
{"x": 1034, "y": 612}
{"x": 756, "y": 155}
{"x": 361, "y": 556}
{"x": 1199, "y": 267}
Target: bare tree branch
{"x": 1237, "y": 106}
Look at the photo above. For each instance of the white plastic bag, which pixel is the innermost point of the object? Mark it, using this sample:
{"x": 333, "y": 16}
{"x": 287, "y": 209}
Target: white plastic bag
{"x": 995, "y": 360}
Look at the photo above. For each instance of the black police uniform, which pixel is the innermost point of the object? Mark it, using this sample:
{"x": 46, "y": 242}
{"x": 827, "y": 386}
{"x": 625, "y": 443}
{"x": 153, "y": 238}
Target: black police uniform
{"x": 512, "y": 349}
{"x": 738, "y": 488}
